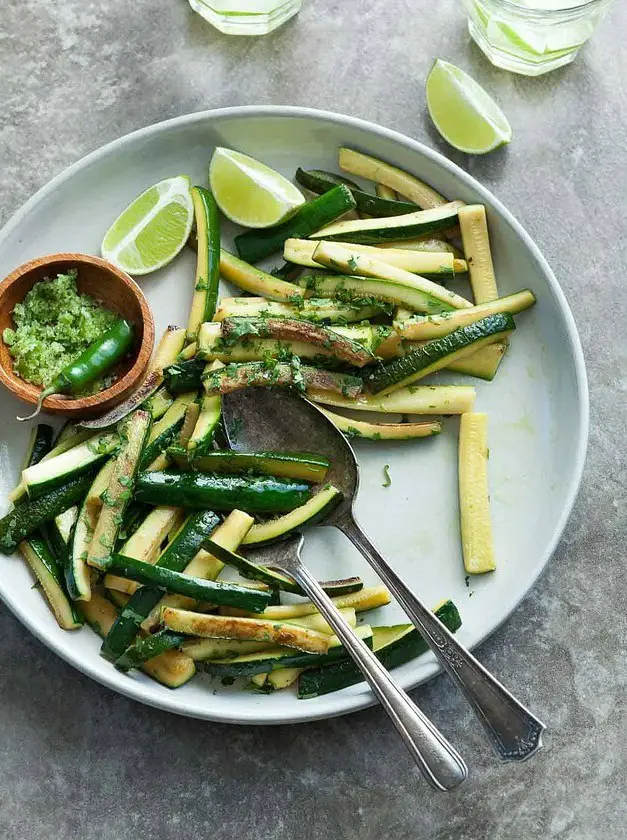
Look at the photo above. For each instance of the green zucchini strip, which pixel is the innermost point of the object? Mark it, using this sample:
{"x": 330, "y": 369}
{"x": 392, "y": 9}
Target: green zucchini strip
{"x": 482, "y": 363}
{"x": 377, "y": 231}
{"x": 208, "y": 260}
{"x": 437, "y": 354}
{"x": 343, "y": 259}
{"x": 24, "y": 520}
{"x": 292, "y": 329}
{"x": 415, "y": 399}
{"x": 299, "y": 465}
{"x": 49, "y": 574}
{"x": 118, "y": 494}
{"x": 278, "y": 657}
{"x": 366, "y": 290}
{"x": 366, "y": 166}
{"x": 168, "y": 580}
{"x": 393, "y": 646}
{"x": 215, "y": 649}
{"x": 158, "y": 403}
{"x": 311, "y": 512}
{"x": 253, "y": 629}
{"x": 302, "y": 251}
{"x": 78, "y": 575}
{"x": 184, "y": 375}
{"x": 474, "y": 496}
{"x": 165, "y": 431}
{"x": 201, "y": 439}
{"x": 255, "y": 245}
{"x": 145, "y": 648}
{"x": 320, "y": 182}
{"x": 53, "y": 472}
{"x": 68, "y": 441}
{"x": 383, "y": 431}
{"x": 421, "y": 328}
{"x": 368, "y": 598}
{"x": 313, "y": 309}
{"x": 269, "y": 374}
{"x": 254, "y": 494}
{"x": 212, "y": 347}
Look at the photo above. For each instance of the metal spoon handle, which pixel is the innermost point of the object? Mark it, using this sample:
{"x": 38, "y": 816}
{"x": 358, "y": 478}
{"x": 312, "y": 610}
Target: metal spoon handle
{"x": 437, "y": 760}
{"x": 514, "y": 732}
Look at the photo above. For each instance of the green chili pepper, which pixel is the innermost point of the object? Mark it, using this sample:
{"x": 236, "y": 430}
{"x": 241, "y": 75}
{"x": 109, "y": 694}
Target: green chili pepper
{"x": 92, "y": 363}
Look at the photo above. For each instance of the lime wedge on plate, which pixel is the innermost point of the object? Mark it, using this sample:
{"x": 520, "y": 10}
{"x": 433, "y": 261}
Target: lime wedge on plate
{"x": 250, "y": 193}
{"x": 464, "y": 114}
{"x": 153, "y": 228}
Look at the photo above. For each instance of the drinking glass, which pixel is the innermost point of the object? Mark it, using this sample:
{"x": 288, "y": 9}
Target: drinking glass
{"x": 246, "y": 17}
{"x": 533, "y": 36}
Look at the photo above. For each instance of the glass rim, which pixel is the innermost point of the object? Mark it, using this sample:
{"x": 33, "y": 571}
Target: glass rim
{"x": 534, "y": 11}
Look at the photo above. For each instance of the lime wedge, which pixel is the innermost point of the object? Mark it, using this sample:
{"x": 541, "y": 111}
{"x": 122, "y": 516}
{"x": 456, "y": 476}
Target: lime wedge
{"x": 250, "y": 193}
{"x": 463, "y": 112}
{"x": 153, "y": 228}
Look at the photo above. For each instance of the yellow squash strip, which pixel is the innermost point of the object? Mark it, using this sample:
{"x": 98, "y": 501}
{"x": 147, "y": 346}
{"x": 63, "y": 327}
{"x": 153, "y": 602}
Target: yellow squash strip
{"x": 340, "y": 257}
{"x": 483, "y": 363}
{"x": 253, "y": 629}
{"x": 301, "y": 252}
{"x": 386, "y": 192}
{"x": 424, "y": 328}
{"x": 474, "y": 499}
{"x": 476, "y": 241}
{"x": 383, "y": 431}
{"x": 169, "y": 347}
{"x": 474, "y": 229}
{"x": 252, "y": 279}
{"x": 368, "y": 598}
{"x": 416, "y": 399}
{"x": 390, "y": 176}
{"x": 283, "y": 678}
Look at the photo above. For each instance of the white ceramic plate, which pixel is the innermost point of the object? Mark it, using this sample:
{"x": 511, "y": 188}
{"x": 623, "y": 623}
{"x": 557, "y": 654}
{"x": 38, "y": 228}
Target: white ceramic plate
{"x": 538, "y": 403}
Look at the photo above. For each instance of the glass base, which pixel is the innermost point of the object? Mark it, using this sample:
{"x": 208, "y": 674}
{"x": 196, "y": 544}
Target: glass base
{"x": 517, "y": 63}
{"x": 251, "y": 18}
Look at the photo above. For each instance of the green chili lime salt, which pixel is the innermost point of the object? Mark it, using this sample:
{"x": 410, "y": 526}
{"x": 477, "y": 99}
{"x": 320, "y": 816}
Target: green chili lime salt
{"x": 54, "y": 324}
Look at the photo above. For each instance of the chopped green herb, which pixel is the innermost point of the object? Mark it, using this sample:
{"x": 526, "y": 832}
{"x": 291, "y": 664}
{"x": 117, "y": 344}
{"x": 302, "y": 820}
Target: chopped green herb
{"x": 387, "y": 481}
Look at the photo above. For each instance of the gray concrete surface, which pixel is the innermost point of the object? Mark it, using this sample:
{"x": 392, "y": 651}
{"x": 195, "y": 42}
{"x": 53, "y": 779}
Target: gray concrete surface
{"x": 76, "y": 760}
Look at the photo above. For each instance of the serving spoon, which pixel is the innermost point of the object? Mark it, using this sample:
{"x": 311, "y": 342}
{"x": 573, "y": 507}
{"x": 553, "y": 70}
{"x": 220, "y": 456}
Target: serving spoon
{"x": 257, "y": 419}
{"x": 437, "y": 760}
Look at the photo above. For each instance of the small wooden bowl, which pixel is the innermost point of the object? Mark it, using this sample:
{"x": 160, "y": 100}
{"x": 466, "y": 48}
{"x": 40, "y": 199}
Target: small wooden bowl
{"x": 109, "y": 286}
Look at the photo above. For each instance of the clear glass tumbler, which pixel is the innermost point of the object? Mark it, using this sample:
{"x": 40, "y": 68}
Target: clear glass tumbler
{"x": 533, "y": 36}
{"x": 246, "y": 17}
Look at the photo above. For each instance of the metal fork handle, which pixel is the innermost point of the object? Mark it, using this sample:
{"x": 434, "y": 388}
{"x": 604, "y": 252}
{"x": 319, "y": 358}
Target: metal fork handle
{"x": 514, "y": 732}
{"x": 438, "y": 761}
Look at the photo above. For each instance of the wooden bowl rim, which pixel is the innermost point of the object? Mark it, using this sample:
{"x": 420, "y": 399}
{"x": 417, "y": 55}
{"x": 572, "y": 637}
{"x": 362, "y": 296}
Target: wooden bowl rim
{"x": 29, "y": 393}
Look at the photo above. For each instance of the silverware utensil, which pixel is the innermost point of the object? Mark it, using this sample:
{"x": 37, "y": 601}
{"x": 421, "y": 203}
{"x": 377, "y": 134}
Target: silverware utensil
{"x": 437, "y": 760}
{"x": 257, "y": 419}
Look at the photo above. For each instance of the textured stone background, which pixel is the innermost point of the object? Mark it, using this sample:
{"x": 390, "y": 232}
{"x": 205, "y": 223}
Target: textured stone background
{"x": 77, "y": 761}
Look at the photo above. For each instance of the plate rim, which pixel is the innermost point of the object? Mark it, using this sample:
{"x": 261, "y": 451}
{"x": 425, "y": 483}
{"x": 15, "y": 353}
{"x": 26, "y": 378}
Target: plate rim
{"x": 136, "y": 690}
